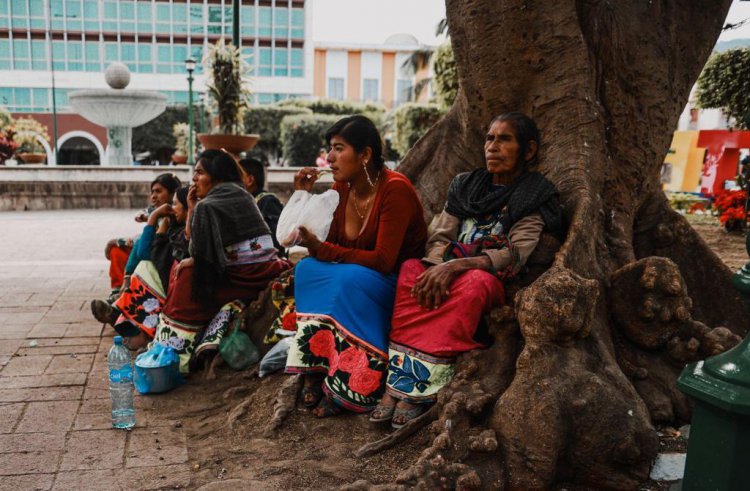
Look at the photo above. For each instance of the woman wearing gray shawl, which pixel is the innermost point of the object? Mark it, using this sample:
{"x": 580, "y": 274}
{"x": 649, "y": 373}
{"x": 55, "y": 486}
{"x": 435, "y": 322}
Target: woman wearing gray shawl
{"x": 232, "y": 260}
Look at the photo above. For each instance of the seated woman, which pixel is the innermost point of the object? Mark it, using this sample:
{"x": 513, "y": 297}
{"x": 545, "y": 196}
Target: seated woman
{"x": 491, "y": 224}
{"x": 232, "y": 257}
{"x": 119, "y": 251}
{"x": 135, "y": 313}
{"x": 344, "y": 292}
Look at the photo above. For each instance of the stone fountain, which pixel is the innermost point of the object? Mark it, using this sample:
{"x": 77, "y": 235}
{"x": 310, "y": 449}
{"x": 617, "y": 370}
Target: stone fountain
{"x": 118, "y": 110}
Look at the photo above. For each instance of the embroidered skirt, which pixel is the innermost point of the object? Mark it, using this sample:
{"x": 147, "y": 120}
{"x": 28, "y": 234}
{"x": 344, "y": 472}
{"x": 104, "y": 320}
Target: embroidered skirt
{"x": 141, "y": 303}
{"x": 424, "y": 344}
{"x": 343, "y": 318}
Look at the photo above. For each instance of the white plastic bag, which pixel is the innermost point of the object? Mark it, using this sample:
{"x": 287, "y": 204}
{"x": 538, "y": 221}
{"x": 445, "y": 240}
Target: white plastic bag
{"x": 304, "y": 209}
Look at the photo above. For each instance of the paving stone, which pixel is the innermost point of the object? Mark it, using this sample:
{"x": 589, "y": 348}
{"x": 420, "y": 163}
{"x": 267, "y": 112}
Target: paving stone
{"x": 103, "y": 480}
{"x": 96, "y": 421}
{"x": 48, "y": 416}
{"x": 76, "y": 330}
{"x": 14, "y": 332}
{"x": 32, "y": 442}
{"x": 156, "y": 446}
{"x": 56, "y": 350}
{"x": 48, "y": 330}
{"x": 66, "y": 305}
{"x": 68, "y": 316}
{"x": 26, "y": 365}
{"x": 52, "y": 380}
{"x": 9, "y": 346}
{"x": 22, "y": 318}
{"x": 70, "y": 341}
{"x": 37, "y": 482}
{"x": 94, "y": 450}
{"x": 70, "y": 364}
{"x": 9, "y": 415}
{"x": 28, "y": 462}
{"x": 159, "y": 477}
{"x": 95, "y": 393}
{"x": 70, "y": 393}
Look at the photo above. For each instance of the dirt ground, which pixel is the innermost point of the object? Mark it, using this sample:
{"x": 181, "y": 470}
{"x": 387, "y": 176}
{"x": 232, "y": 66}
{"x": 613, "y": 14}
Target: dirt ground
{"x": 229, "y": 449}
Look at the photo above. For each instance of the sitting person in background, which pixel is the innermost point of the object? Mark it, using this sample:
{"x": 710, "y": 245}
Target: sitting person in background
{"x": 492, "y": 222}
{"x": 135, "y": 313}
{"x": 119, "y": 251}
{"x": 322, "y": 161}
{"x": 269, "y": 205}
{"x": 232, "y": 259}
{"x": 344, "y": 292}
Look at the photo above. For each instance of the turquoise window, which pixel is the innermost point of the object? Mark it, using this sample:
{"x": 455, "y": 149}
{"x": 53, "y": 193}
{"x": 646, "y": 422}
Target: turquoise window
{"x": 127, "y": 52}
{"x": 73, "y": 14}
{"x": 228, "y": 20}
{"x": 264, "y": 62}
{"x": 4, "y": 15}
{"x": 110, "y": 17}
{"x": 179, "y": 55}
{"x": 39, "y": 55}
{"x": 19, "y": 13}
{"x": 36, "y": 17}
{"x": 180, "y": 17}
{"x": 280, "y": 62}
{"x": 145, "y": 58}
{"x": 111, "y": 53}
{"x": 265, "y": 99}
{"x": 197, "y": 53}
{"x": 144, "y": 16}
{"x": 248, "y": 54}
{"x": 127, "y": 16}
{"x": 196, "y": 19}
{"x": 6, "y": 94}
{"x": 75, "y": 55}
{"x": 61, "y": 97}
{"x": 22, "y": 99}
{"x": 214, "y": 19}
{"x": 298, "y": 63}
{"x": 21, "y": 54}
{"x": 281, "y": 22}
{"x": 93, "y": 63}
{"x": 41, "y": 99}
{"x": 91, "y": 15}
{"x": 298, "y": 23}
{"x": 164, "y": 59}
{"x": 264, "y": 21}
{"x": 58, "y": 54}
{"x": 163, "y": 18}
{"x": 247, "y": 18}
{"x": 57, "y": 14}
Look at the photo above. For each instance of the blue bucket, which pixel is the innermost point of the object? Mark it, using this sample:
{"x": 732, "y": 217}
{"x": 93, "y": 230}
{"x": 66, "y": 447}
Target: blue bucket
{"x": 157, "y": 370}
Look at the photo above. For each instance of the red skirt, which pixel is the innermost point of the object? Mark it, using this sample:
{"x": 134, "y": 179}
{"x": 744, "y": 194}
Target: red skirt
{"x": 118, "y": 258}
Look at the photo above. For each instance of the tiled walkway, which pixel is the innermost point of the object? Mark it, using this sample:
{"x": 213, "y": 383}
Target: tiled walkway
{"x": 54, "y": 401}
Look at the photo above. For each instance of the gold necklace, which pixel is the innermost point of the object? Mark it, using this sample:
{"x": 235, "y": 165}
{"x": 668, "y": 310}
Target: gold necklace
{"x": 356, "y": 208}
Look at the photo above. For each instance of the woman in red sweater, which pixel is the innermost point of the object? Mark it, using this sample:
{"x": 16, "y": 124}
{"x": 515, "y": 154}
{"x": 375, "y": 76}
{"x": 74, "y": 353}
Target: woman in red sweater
{"x": 344, "y": 292}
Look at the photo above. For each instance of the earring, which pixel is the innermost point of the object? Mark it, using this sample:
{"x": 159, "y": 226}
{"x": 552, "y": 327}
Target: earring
{"x": 367, "y": 174}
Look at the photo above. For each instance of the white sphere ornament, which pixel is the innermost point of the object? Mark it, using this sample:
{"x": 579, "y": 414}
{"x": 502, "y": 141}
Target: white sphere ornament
{"x": 117, "y": 75}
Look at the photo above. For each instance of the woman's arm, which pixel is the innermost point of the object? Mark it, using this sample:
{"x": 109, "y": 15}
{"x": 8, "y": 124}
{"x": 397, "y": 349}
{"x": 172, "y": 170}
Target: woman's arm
{"x": 523, "y": 237}
{"x": 445, "y": 230}
{"x": 398, "y": 206}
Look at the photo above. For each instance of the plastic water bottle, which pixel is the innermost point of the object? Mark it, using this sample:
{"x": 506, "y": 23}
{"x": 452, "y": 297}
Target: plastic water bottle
{"x": 121, "y": 385}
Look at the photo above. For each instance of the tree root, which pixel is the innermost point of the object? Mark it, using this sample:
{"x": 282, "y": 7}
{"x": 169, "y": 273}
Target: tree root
{"x": 399, "y": 435}
{"x": 286, "y": 400}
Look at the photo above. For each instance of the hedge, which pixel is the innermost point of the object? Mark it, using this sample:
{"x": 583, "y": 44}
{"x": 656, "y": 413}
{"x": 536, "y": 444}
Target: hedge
{"x": 372, "y": 110}
{"x": 266, "y": 121}
{"x": 410, "y": 121}
{"x": 302, "y": 136}
{"x": 156, "y": 136}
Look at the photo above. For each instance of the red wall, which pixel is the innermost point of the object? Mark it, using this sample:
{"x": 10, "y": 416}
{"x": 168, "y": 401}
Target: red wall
{"x": 67, "y": 122}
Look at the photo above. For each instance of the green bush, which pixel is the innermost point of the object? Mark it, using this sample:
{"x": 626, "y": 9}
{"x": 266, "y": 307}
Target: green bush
{"x": 410, "y": 122}
{"x": 327, "y": 106}
{"x": 446, "y": 75}
{"x": 156, "y": 136}
{"x": 5, "y": 118}
{"x": 302, "y": 135}
{"x": 266, "y": 121}
{"x": 725, "y": 84}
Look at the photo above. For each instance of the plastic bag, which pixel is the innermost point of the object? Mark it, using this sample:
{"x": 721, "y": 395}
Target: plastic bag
{"x": 238, "y": 350}
{"x": 157, "y": 370}
{"x": 275, "y": 359}
{"x": 313, "y": 211}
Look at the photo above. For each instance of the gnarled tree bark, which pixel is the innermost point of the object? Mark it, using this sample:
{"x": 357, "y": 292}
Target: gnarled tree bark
{"x": 587, "y": 363}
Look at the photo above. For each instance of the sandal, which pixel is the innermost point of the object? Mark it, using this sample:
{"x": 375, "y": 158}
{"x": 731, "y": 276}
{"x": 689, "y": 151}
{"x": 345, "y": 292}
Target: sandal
{"x": 312, "y": 395}
{"x": 405, "y": 415}
{"x": 382, "y": 413}
{"x": 103, "y": 312}
{"x": 327, "y": 408}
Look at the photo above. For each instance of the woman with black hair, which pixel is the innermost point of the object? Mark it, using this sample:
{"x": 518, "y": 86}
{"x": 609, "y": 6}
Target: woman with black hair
{"x": 232, "y": 257}
{"x": 492, "y": 221}
{"x": 344, "y": 292}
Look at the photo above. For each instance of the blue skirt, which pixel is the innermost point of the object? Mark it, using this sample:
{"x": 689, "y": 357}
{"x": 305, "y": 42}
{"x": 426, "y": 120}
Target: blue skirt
{"x": 343, "y": 320}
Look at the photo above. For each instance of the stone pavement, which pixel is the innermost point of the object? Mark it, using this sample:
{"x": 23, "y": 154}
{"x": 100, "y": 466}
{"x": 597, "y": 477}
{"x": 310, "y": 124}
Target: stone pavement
{"x": 55, "y": 426}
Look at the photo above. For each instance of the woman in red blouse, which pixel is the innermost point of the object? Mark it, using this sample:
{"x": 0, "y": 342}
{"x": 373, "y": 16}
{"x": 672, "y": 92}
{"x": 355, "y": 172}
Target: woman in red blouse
{"x": 344, "y": 292}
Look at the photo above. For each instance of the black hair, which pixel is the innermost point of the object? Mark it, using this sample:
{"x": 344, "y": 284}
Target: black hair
{"x": 359, "y": 132}
{"x": 254, "y": 167}
{"x": 169, "y": 181}
{"x": 221, "y": 166}
{"x": 181, "y": 195}
{"x": 526, "y": 131}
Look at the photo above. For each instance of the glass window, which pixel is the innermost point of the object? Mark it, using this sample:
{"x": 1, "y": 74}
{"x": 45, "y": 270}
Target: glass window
{"x": 39, "y": 55}
{"x": 179, "y": 55}
{"x": 281, "y": 22}
{"x": 265, "y": 99}
{"x": 280, "y": 62}
{"x": 197, "y": 53}
{"x": 336, "y": 88}
{"x": 163, "y": 18}
{"x": 111, "y": 53}
{"x": 127, "y": 52}
{"x": 92, "y": 56}
{"x": 164, "y": 59}
{"x": 21, "y": 54}
{"x": 41, "y": 99}
{"x": 403, "y": 90}
{"x": 91, "y": 15}
{"x": 73, "y": 14}
{"x": 36, "y": 14}
{"x": 75, "y": 55}
{"x": 298, "y": 23}
{"x": 370, "y": 89}
{"x": 58, "y": 54}
{"x": 179, "y": 17}
{"x": 145, "y": 58}
{"x": 248, "y": 54}
{"x": 61, "y": 97}
{"x": 264, "y": 62}
{"x": 4, "y": 15}
{"x": 298, "y": 63}
{"x": 57, "y": 14}
{"x": 6, "y": 95}
{"x": 110, "y": 17}
{"x": 264, "y": 21}
{"x": 196, "y": 19}
{"x": 228, "y": 17}
{"x": 214, "y": 19}
{"x": 19, "y": 13}
{"x": 22, "y": 99}
{"x": 144, "y": 16}
{"x": 247, "y": 18}
{"x": 127, "y": 16}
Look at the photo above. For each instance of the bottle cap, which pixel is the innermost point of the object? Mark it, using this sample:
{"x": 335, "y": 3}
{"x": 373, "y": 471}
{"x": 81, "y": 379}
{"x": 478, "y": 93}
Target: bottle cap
{"x": 118, "y": 340}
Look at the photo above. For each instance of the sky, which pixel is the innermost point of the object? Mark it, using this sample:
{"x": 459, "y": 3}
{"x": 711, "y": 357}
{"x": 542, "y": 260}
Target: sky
{"x": 368, "y": 21}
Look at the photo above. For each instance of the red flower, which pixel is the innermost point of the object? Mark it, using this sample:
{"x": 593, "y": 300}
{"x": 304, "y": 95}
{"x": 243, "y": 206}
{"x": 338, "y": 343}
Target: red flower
{"x": 365, "y": 381}
{"x": 351, "y": 359}
{"x": 289, "y": 321}
{"x": 322, "y": 343}
{"x": 276, "y": 285}
{"x": 333, "y": 363}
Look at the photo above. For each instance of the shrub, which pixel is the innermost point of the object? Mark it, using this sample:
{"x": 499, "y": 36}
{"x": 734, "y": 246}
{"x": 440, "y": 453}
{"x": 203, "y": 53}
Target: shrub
{"x": 410, "y": 122}
{"x": 343, "y": 108}
{"x": 27, "y": 131}
{"x": 445, "y": 75}
{"x": 302, "y": 135}
{"x": 6, "y": 119}
{"x": 730, "y": 206}
{"x": 266, "y": 121}
{"x": 157, "y": 137}
{"x": 226, "y": 82}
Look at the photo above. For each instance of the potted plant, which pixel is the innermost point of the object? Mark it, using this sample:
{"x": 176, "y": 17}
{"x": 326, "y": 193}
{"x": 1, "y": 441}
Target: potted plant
{"x": 229, "y": 93}
{"x": 181, "y": 136}
{"x": 28, "y": 132}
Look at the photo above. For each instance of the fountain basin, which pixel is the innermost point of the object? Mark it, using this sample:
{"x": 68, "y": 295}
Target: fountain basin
{"x": 112, "y": 107}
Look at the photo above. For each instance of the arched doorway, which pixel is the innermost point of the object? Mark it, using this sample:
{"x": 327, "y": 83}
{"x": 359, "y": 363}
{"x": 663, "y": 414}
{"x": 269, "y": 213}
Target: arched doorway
{"x": 78, "y": 150}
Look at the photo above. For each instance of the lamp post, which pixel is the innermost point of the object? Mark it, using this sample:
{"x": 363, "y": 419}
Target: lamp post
{"x": 190, "y": 66}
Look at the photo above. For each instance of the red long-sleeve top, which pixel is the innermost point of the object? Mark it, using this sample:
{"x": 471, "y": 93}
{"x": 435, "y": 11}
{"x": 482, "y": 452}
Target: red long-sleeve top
{"x": 395, "y": 230}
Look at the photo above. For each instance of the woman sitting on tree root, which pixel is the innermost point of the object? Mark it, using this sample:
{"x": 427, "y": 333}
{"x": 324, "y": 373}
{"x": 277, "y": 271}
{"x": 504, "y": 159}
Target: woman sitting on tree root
{"x": 491, "y": 223}
{"x": 344, "y": 292}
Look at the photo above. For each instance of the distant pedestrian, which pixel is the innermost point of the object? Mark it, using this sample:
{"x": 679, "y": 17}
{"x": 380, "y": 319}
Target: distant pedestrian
{"x": 322, "y": 160}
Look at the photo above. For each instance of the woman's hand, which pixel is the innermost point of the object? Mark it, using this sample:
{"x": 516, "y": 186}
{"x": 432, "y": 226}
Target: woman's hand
{"x": 309, "y": 240}
{"x": 142, "y": 216}
{"x": 108, "y": 248}
{"x": 304, "y": 179}
{"x": 192, "y": 197}
{"x": 185, "y": 263}
{"x": 433, "y": 286}
{"x": 162, "y": 211}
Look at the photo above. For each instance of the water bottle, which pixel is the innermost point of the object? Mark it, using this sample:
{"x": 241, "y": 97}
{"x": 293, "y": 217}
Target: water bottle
{"x": 121, "y": 385}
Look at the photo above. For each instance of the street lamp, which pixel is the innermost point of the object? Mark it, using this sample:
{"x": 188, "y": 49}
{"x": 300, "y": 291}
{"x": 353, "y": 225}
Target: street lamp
{"x": 190, "y": 67}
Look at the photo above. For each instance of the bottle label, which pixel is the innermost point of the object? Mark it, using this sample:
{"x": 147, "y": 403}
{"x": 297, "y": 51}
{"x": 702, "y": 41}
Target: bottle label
{"x": 124, "y": 374}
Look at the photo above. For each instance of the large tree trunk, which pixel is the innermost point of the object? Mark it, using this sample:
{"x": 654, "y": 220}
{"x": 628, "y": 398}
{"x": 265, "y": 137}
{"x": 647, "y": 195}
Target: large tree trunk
{"x": 587, "y": 364}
